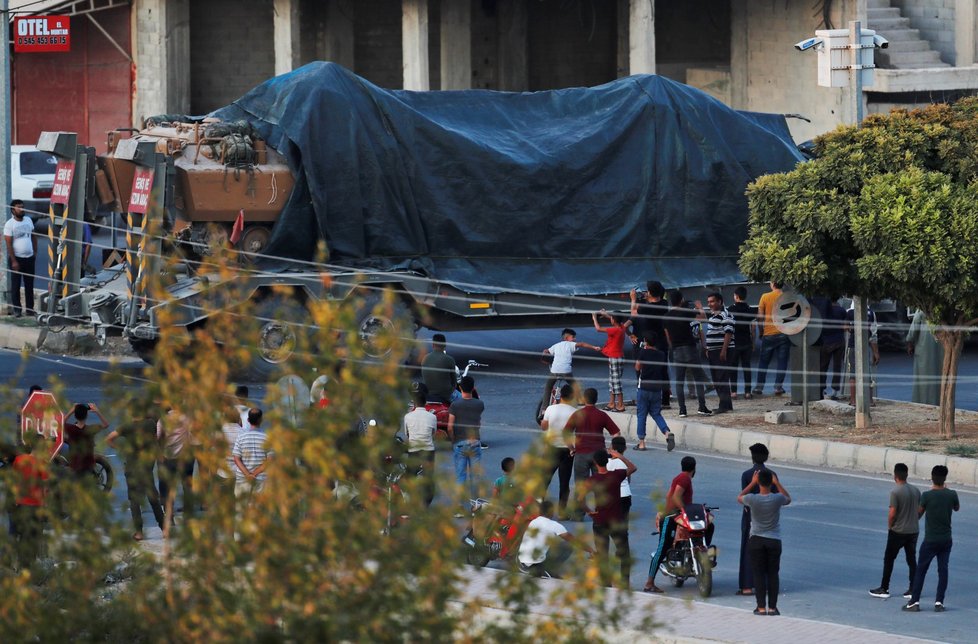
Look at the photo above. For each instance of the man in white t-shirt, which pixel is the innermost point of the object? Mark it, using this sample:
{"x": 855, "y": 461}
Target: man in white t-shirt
{"x": 562, "y": 366}
{"x": 618, "y": 448}
{"x": 539, "y": 555}
{"x": 419, "y": 432}
{"x": 18, "y": 235}
{"x": 558, "y": 454}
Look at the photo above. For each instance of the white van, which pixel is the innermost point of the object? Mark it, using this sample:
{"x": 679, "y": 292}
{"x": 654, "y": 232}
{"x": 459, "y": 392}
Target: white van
{"x": 32, "y": 178}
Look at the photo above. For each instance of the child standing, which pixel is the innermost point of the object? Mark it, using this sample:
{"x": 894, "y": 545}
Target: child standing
{"x": 614, "y": 350}
{"x": 560, "y": 368}
{"x": 618, "y": 448}
{"x": 505, "y": 482}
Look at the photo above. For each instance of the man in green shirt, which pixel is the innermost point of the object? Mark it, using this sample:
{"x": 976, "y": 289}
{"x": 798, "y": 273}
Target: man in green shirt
{"x": 936, "y": 504}
{"x": 438, "y": 372}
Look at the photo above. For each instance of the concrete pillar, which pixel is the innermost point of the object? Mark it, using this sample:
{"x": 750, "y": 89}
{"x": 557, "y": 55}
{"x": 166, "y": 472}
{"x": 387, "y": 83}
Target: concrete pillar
{"x": 739, "y": 67}
{"x": 338, "y": 40}
{"x": 641, "y": 37}
{"x": 964, "y": 33}
{"x": 513, "y": 64}
{"x": 621, "y": 53}
{"x": 161, "y": 53}
{"x": 414, "y": 44}
{"x": 285, "y": 33}
{"x": 456, "y": 44}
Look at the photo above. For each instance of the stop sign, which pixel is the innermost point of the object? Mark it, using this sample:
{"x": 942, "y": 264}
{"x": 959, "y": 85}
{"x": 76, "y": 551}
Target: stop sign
{"x": 41, "y": 417}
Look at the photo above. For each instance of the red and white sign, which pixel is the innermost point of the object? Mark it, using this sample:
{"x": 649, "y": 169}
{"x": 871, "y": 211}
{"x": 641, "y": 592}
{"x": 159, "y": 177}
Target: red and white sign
{"x": 63, "y": 175}
{"x": 142, "y": 186}
{"x": 42, "y": 34}
{"x": 41, "y": 417}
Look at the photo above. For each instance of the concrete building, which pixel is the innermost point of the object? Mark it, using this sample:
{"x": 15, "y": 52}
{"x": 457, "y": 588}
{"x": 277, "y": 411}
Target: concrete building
{"x": 134, "y": 59}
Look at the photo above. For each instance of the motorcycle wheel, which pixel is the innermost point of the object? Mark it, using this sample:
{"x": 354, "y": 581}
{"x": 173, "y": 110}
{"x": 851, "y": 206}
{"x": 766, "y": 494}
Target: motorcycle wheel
{"x": 678, "y": 582}
{"x": 704, "y": 580}
{"x": 103, "y": 473}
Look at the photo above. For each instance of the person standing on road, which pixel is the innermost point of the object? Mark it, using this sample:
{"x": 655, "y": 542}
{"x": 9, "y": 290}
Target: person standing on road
{"x": 588, "y": 425}
{"x": 464, "y": 423}
{"x": 774, "y": 344}
{"x": 680, "y": 495}
{"x": 718, "y": 343}
{"x": 140, "y": 452}
{"x": 936, "y": 506}
{"x": 438, "y": 372}
{"x": 18, "y": 234}
{"x": 608, "y": 522}
{"x": 80, "y": 438}
{"x": 614, "y": 350}
{"x": 562, "y": 366}
{"x": 558, "y": 453}
{"x": 178, "y": 463}
{"x": 758, "y": 456}
{"x": 765, "y": 537}
{"x": 653, "y": 378}
{"x": 26, "y": 515}
{"x": 647, "y": 317}
{"x": 251, "y": 456}
{"x": 684, "y": 345}
{"x": 903, "y": 526}
{"x": 419, "y": 430}
{"x": 745, "y": 331}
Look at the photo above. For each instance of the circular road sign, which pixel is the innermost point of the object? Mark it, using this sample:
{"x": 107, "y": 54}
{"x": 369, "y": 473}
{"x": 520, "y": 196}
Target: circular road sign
{"x": 41, "y": 417}
{"x": 792, "y": 313}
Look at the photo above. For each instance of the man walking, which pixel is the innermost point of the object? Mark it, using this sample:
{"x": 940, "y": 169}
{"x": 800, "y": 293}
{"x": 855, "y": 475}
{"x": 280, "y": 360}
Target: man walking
{"x": 685, "y": 352}
{"x": 774, "y": 344}
{"x": 903, "y": 526}
{"x": 743, "y": 341}
{"x": 608, "y": 521}
{"x": 558, "y": 454}
{"x": 718, "y": 341}
{"x": 140, "y": 451}
{"x": 653, "y": 377}
{"x": 588, "y": 425}
{"x": 464, "y": 422}
{"x": 647, "y": 317}
{"x": 251, "y": 458}
{"x": 936, "y": 506}
{"x": 419, "y": 431}
{"x": 18, "y": 234}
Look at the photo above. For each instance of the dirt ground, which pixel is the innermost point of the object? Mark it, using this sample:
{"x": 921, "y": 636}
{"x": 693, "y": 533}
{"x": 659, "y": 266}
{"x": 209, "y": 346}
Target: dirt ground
{"x": 892, "y": 424}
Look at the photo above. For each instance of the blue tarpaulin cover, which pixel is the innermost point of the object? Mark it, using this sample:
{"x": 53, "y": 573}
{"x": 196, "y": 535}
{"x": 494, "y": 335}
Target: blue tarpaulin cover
{"x": 579, "y": 191}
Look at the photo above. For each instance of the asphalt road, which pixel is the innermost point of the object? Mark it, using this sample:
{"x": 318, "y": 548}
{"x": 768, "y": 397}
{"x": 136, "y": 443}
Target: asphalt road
{"x": 834, "y": 532}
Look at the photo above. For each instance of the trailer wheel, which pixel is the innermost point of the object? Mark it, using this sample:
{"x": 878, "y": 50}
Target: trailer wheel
{"x": 255, "y": 239}
{"x": 282, "y": 330}
{"x": 145, "y": 349}
{"x": 374, "y": 321}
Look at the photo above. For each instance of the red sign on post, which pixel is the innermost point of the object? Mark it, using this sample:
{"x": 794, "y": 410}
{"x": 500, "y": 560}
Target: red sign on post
{"x": 42, "y": 418}
{"x": 42, "y": 34}
{"x": 62, "y": 181}
{"x": 142, "y": 186}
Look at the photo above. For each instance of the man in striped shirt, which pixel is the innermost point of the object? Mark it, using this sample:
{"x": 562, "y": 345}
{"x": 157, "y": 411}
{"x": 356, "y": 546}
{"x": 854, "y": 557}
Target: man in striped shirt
{"x": 718, "y": 341}
{"x": 251, "y": 457}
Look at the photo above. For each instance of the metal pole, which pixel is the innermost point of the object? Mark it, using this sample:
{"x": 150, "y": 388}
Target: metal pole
{"x": 859, "y": 304}
{"x": 5, "y": 112}
{"x": 804, "y": 376}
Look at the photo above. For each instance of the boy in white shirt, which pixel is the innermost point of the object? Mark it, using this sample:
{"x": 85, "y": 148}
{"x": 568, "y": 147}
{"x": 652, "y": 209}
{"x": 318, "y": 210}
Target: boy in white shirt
{"x": 618, "y": 448}
{"x": 561, "y": 366}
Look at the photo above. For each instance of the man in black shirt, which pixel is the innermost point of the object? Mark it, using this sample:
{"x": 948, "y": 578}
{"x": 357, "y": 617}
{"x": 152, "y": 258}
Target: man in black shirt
{"x": 685, "y": 349}
{"x": 647, "y": 317}
{"x": 743, "y": 340}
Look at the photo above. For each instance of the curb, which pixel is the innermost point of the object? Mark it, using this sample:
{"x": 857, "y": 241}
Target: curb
{"x": 814, "y": 452}
{"x": 18, "y": 338}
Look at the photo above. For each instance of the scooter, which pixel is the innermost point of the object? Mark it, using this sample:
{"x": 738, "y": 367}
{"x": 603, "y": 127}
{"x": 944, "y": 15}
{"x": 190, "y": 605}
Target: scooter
{"x": 690, "y": 555}
{"x": 495, "y": 531}
{"x": 440, "y": 409}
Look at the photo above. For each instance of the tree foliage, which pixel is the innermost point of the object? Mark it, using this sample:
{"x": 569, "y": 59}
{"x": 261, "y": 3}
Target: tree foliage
{"x": 299, "y": 563}
{"x": 884, "y": 210}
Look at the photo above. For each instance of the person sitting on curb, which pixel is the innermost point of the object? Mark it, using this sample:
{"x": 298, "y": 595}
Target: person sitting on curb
{"x": 538, "y": 555}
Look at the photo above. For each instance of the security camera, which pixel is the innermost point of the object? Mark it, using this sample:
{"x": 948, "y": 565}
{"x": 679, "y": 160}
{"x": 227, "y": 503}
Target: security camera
{"x": 880, "y": 42}
{"x": 808, "y": 43}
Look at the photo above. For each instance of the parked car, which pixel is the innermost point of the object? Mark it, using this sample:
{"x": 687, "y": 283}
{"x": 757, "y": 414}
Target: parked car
{"x": 32, "y": 178}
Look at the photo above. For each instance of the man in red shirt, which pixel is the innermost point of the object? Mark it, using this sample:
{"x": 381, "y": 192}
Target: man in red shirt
{"x": 25, "y": 520}
{"x": 80, "y": 438}
{"x": 585, "y": 431}
{"x": 680, "y": 495}
{"x": 614, "y": 350}
{"x": 608, "y": 520}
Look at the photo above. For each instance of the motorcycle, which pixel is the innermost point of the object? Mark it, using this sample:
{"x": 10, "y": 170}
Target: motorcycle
{"x": 690, "y": 555}
{"x": 495, "y": 531}
{"x": 440, "y": 409}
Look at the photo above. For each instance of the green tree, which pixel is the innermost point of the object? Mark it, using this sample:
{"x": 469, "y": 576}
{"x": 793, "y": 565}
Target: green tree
{"x": 884, "y": 210}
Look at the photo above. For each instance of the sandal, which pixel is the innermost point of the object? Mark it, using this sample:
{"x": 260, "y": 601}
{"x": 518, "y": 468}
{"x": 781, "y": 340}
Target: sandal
{"x": 748, "y": 396}
{"x": 745, "y": 591}
{"x": 760, "y": 611}
{"x": 138, "y": 536}
{"x": 641, "y": 448}
{"x": 620, "y": 410}
{"x": 609, "y": 408}
{"x": 774, "y": 611}
{"x": 653, "y": 589}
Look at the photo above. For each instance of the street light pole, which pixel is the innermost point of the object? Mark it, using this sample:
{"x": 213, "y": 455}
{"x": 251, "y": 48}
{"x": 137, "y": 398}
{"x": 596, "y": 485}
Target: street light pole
{"x": 4, "y": 145}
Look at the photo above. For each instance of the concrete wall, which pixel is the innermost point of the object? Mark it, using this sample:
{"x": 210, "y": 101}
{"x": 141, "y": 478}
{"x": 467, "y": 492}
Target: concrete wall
{"x": 231, "y": 50}
{"x": 768, "y": 75}
{"x": 935, "y": 21}
{"x": 692, "y": 33}
{"x": 161, "y": 41}
{"x": 571, "y": 43}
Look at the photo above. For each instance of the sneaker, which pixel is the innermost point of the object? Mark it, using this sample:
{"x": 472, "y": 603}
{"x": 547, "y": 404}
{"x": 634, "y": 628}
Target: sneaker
{"x": 880, "y": 592}
{"x": 938, "y": 607}
{"x": 703, "y": 411}
{"x": 778, "y": 391}
{"x": 682, "y": 413}
{"x": 670, "y": 442}
{"x": 758, "y": 392}
{"x": 484, "y": 445}
{"x": 907, "y": 594}
{"x": 912, "y": 607}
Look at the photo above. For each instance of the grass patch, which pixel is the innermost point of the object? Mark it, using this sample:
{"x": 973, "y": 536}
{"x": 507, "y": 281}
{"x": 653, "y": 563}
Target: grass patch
{"x": 968, "y": 451}
{"x": 919, "y": 445}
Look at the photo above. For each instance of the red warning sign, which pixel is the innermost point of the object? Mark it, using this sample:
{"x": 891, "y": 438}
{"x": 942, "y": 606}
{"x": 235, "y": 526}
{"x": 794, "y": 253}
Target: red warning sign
{"x": 34, "y": 34}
